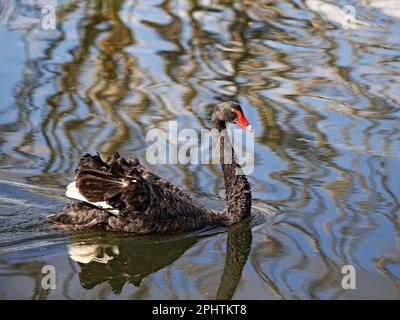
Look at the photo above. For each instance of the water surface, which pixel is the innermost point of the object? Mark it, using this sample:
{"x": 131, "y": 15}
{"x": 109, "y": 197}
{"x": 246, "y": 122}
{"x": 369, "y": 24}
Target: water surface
{"x": 324, "y": 101}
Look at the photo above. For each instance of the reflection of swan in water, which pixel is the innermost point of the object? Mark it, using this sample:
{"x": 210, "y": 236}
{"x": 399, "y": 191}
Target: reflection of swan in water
{"x": 131, "y": 261}
{"x": 85, "y": 253}
{"x": 238, "y": 248}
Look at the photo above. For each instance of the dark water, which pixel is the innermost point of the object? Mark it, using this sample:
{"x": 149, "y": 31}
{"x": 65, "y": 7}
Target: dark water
{"x": 325, "y": 104}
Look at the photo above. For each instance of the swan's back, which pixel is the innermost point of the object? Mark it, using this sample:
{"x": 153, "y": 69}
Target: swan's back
{"x": 124, "y": 195}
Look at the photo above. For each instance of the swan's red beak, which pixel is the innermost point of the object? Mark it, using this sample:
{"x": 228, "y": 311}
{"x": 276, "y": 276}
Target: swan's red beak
{"x": 242, "y": 121}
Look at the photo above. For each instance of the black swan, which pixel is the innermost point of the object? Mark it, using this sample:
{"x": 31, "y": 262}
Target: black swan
{"x": 123, "y": 195}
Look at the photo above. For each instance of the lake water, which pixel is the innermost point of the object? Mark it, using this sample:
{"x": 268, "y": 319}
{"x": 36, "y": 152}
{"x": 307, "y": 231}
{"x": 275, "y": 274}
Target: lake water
{"x": 321, "y": 91}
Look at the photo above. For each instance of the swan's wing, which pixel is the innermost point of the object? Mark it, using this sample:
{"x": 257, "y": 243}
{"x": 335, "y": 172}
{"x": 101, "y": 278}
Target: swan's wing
{"x": 154, "y": 179}
{"x": 121, "y": 187}
{"x": 74, "y": 193}
{"x": 102, "y": 184}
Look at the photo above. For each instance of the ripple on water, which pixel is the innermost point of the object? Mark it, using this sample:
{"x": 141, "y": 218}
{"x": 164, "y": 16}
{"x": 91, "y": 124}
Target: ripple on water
{"x": 325, "y": 105}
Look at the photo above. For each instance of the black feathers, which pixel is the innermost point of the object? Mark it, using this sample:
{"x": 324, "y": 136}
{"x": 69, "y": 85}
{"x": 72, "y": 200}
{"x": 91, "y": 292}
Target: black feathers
{"x": 79, "y": 216}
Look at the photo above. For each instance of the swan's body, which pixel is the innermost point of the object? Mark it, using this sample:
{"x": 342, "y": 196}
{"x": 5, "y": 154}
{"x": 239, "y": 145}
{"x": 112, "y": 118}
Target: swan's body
{"x": 123, "y": 195}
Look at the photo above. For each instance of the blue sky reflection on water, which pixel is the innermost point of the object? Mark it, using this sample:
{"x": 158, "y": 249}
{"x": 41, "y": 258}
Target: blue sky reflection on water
{"x": 324, "y": 102}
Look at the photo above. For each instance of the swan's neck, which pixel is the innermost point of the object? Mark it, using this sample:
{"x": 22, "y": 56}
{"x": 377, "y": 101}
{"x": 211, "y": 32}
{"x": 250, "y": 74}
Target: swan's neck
{"x": 237, "y": 188}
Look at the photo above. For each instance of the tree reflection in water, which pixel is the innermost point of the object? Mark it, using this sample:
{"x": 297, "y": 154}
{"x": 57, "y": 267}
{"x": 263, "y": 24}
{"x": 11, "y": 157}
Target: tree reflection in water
{"x": 324, "y": 102}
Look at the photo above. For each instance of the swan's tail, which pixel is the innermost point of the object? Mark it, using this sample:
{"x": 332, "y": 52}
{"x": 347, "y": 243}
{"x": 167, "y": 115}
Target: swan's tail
{"x": 107, "y": 185}
{"x": 79, "y": 216}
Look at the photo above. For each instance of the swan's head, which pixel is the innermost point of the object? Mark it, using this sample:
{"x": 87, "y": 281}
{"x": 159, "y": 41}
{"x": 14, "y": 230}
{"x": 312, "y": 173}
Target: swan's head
{"x": 232, "y": 112}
